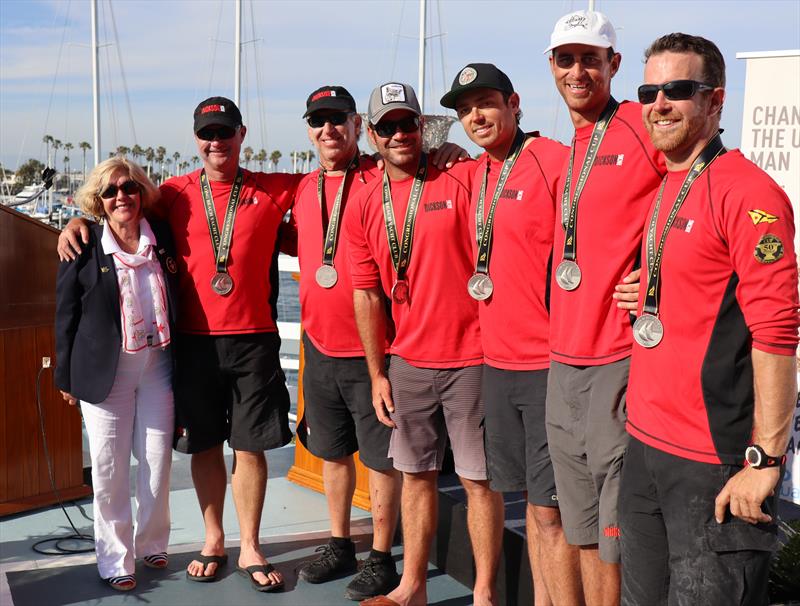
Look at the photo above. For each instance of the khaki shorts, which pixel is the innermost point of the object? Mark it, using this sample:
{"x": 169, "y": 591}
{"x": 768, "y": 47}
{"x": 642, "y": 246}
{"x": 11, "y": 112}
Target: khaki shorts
{"x": 587, "y": 439}
{"x": 430, "y": 405}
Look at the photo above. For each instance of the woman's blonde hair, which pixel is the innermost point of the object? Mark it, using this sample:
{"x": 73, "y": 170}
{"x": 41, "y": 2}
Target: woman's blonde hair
{"x": 88, "y": 196}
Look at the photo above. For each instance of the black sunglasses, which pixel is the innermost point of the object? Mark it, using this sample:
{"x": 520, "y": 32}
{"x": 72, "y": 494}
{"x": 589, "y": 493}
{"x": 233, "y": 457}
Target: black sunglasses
{"x": 587, "y": 61}
{"x": 209, "y": 133}
{"x": 387, "y": 128}
{"x": 335, "y": 118}
{"x": 675, "y": 90}
{"x": 128, "y": 188}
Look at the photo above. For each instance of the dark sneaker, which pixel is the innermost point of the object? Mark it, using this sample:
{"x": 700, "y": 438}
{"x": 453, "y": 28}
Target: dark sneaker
{"x": 334, "y": 561}
{"x": 377, "y": 577}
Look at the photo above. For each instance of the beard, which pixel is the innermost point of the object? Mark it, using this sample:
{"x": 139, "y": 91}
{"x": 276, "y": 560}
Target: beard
{"x": 676, "y": 138}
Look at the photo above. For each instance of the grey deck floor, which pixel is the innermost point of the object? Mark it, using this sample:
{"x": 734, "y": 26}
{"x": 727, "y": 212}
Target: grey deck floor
{"x": 294, "y": 522}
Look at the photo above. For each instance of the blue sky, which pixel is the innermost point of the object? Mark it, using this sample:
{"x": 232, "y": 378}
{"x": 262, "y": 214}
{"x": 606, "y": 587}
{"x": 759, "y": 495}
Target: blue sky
{"x": 177, "y": 52}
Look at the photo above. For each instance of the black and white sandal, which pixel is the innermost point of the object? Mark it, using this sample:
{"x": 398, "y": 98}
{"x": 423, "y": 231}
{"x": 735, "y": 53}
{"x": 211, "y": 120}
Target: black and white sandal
{"x": 125, "y": 582}
{"x": 157, "y": 560}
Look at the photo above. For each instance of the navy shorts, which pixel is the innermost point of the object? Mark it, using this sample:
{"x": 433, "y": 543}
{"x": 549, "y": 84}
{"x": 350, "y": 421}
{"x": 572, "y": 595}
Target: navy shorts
{"x": 516, "y": 436}
{"x": 230, "y": 387}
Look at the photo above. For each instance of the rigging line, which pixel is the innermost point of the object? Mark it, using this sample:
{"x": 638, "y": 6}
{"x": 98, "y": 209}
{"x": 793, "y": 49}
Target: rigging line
{"x": 262, "y": 110}
{"x": 122, "y": 71}
{"x": 397, "y": 37}
{"x": 441, "y": 46}
{"x": 110, "y": 87}
{"x": 215, "y": 43}
{"x": 55, "y": 75}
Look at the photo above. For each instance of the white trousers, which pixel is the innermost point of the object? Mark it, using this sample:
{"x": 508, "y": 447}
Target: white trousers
{"x": 137, "y": 418}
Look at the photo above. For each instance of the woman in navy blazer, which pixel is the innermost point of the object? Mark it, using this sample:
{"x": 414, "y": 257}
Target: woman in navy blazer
{"x": 115, "y": 306}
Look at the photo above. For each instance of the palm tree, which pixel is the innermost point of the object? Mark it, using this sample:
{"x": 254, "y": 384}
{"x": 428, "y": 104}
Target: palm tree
{"x": 275, "y": 157}
{"x": 161, "y": 154}
{"x": 184, "y": 165}
{"x": 123, "y": 150}
{"x": 195, "y": 160}
{"x": 310, "y": 155}
{"x": 67, "y": 147}
{"x": 137, "y": 152}
{"x": 84, "y": 145}
{"x": 261, "y": 157}
{"x": 295, "y": 155}
{"x": 149, "y": 156}
{"x": 248, "y": 154}
{"x": 167, "y": 162}
{"x": 56, "y": 147}
{"x": 176, "y": 156}
{"x": 47, "y": 140}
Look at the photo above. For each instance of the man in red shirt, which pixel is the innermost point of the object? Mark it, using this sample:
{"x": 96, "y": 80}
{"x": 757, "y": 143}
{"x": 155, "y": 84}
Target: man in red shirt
{"x": 339, "y": 419}
{"x": 408, "y": 242}
{"x": 606, "y": 186}
{"x": 514, "y": 201}
{"x": 228, "y": 382}
{"x": 713, "y": 385}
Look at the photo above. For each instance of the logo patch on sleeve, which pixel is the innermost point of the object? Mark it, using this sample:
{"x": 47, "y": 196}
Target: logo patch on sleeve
{"x": 761, "y": 216}
{"x": 769, "y": 249}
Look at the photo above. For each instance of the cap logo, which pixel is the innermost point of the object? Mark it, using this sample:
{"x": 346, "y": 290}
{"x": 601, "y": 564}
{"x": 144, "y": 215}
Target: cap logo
{"x": 467, "y": 75}
{"x": 393, "y": 93}
{"x": 212, "y": 108}
{"x": 323, "y": 93}
{"x": 577, "y": 21}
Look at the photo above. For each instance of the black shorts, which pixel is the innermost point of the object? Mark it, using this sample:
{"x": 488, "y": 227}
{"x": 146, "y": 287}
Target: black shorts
{"x": 673, "y": 550}
{"x": 339, "y": 418}
{"x": 516, "y": 438}
{"x": 230, "y": 387}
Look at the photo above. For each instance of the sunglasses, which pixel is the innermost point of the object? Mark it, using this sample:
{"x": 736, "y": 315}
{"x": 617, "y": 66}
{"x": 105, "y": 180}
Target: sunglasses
{"x": 335, "y": 119}
{"x": 128, "y": 188}
{"x": 209, "y": 133}
{"x": 676, "y": 90}
{"x": 587, "y": 61}
{"x": 387, "y": 128}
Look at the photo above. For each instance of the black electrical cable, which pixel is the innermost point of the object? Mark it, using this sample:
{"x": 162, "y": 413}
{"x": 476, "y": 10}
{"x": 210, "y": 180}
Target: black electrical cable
{"x": 58, "y": 549}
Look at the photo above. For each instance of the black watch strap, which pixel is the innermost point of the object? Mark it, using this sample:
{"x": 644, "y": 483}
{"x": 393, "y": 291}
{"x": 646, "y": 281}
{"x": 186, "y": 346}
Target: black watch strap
{"x": 758, "y": 459}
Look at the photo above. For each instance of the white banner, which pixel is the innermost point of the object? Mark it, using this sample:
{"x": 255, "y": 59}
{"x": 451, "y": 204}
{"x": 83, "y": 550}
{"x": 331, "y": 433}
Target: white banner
{"x": 790, "y": 489}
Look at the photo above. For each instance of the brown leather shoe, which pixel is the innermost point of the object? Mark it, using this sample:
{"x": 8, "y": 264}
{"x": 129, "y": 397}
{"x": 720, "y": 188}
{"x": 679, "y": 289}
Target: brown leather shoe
{"x": 379, "y": 600}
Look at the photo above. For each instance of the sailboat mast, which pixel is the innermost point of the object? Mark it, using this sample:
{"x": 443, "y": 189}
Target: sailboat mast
{"x": 237, "y": 57}
{"x": 95, "y": 86}
{"x": 422, "y": 40}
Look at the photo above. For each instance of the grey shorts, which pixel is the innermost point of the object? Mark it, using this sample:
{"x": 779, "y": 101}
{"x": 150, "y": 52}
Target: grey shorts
{"x": 431, "y": 404}
{"x": 339, "y": 418}
{"x": 586, "y": 433}
{"x": 516, "y": 438}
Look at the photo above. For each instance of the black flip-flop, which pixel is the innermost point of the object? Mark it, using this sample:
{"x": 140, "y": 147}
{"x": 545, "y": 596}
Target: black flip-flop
{"x": 249, "y": 571}
{"x": 205, "y": 561}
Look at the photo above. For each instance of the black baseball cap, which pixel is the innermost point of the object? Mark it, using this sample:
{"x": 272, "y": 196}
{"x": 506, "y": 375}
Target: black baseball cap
{"x": 477, "y": 75}
{"x": 330, "y": 97}
{"x": 217, "y": 110}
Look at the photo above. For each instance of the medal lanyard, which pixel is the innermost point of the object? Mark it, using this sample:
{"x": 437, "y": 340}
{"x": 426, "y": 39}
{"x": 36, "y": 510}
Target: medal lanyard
{"x": 485, "y": 231}
{"x": 401, "y": 253}
{"x": 569, "y": 213}
{"x": 711, "y": 152}
{"x": 221, "y": 243}
{"x": 332, "y": 231}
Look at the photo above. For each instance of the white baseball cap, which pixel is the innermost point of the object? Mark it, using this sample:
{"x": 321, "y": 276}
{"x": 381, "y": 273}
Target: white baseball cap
{"x": 583, "y": 27}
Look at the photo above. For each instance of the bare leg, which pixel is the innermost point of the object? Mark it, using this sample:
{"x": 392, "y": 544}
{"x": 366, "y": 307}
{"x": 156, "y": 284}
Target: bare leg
{"x": 420, "y": 506}
{"x": 339, "y": 479}
{"x": 555, "y": 564}
{"x": 384, "y": 489}
{"x": 210, "y": 479}
{"x": 600, "y": 579}
{"x": 485, "y": 515}
{"x": 249, "y": 484}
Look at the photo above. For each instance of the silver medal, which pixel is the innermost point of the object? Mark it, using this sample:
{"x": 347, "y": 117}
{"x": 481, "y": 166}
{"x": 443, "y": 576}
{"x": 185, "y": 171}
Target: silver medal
{"x": 222, "y": 283}
{"x": 400, "y": 292}
{"x": 480, "y": 286}
{"x": 568, "y": 275}
{"x": 648, "y": 330}
{"x": 326, "y": 276}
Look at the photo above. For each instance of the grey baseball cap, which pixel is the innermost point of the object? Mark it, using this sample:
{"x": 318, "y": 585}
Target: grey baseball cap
{"x": 391, "y": 96}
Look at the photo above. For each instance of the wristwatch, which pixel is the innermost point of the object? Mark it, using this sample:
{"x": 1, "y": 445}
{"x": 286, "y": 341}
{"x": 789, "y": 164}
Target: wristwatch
{"x": 758, "y": 459}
